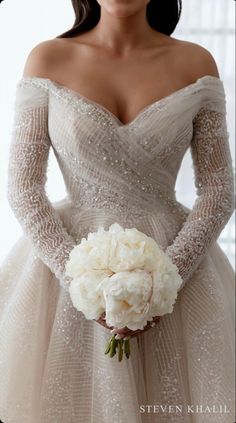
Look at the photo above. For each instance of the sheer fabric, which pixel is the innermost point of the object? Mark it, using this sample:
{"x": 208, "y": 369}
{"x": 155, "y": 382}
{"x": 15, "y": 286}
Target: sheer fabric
{"x": 214, "y": 180}
{"x": 26, "y": 183}
{"x": 52, "y": 362}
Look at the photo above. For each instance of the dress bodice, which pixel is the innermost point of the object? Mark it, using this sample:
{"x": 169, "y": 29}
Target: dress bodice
{"x": 109, "y": 164}
{"x": 127, "y": 168}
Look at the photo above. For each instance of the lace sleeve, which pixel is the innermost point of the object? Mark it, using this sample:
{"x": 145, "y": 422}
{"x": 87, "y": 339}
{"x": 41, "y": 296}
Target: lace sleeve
{"x": 214, "y": 180}
{"x": 28, "y": 159}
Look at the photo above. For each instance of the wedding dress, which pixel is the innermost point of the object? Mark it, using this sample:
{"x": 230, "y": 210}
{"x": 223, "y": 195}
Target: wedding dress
{"x": 52, "y": 363}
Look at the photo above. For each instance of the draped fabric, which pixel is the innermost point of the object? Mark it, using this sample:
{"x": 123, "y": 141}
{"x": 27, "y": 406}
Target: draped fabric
{"x": 52, "y": 362}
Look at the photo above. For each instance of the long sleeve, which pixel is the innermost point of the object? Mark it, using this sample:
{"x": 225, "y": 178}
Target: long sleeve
{"x": 214, "y": 180}
{"x": 28, "y": 159}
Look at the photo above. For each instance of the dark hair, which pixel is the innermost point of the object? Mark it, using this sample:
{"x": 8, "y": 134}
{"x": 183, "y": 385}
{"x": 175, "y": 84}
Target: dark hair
{"x": 162, "y": 15}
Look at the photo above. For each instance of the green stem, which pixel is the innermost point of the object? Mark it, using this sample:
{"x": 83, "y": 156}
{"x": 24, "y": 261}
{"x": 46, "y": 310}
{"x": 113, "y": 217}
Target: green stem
{"x": 120, "y": 349}
{"x": 108, "y": 347}
{"x": 113, "y": 346}
{"x": 123, "y": 347}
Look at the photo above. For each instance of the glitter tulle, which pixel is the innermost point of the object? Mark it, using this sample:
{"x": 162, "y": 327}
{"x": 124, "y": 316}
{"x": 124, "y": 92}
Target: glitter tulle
{"x": 52, "y": 363}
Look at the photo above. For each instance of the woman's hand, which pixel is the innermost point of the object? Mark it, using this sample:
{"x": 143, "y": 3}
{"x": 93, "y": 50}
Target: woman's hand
{"x": 125, "y": 332}
{"x": 102, "y": 321}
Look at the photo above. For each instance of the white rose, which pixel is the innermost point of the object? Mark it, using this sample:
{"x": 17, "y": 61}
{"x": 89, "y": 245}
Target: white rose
{"x": 126, "y": 295}
{"x": 86, "y": 294}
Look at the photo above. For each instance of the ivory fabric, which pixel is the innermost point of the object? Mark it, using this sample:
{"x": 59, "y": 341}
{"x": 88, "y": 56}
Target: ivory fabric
{"x": 52, "y": 363}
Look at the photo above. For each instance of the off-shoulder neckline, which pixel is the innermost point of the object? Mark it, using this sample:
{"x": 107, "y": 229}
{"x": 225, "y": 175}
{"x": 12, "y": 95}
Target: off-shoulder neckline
{"x": 45, "y": 82}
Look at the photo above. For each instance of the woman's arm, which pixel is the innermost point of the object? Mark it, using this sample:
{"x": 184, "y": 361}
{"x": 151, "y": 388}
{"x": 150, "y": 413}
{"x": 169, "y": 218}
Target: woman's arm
{"x": 27, "y": 176}
{"x": 214, "y": 180}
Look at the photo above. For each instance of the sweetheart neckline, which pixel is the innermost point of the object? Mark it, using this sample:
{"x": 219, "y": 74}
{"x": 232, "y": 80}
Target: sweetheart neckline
{"x": 99, "y": 106}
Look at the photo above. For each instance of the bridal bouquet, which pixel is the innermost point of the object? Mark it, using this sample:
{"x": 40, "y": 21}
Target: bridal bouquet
{"x": 124, "y": 274}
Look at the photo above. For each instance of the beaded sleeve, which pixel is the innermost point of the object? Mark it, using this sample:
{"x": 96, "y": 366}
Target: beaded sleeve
{"x": 29, "y": 150}
{"x": 214, "y": 181}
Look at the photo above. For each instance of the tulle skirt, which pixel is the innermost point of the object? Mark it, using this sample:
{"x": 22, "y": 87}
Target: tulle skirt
{"x": 53, "y": 367}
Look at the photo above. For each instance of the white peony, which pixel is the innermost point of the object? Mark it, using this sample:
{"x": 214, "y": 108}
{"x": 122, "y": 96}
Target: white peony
{"x": 86, "y": 293}
{"x": 166, "y": 282}
{"x": 126, "y": 296}
{"x": 91, "y": 254}
{"x": 132, "y": 249}
{"x": 115, "y": 271}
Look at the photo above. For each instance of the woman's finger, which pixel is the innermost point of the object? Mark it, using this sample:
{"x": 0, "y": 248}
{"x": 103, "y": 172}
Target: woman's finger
{"x": 126, "y": 332}
{"x": 103, "y": 323}
{"x": 147, "y": 327}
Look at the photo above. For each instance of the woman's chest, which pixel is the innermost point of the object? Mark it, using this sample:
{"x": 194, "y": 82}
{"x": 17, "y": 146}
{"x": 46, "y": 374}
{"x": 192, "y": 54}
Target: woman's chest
{"x": 83, "y": 128}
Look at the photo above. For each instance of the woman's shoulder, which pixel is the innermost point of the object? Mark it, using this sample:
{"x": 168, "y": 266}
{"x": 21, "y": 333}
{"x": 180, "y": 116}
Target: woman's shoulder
{"x": 45, "y": 57}
{"x": 192, "y": 60}
{"x": 195, "y": 60}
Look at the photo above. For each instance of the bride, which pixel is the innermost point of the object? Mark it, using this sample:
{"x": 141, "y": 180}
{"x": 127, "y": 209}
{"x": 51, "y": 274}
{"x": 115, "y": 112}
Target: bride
{"x": 120, "y": 101}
